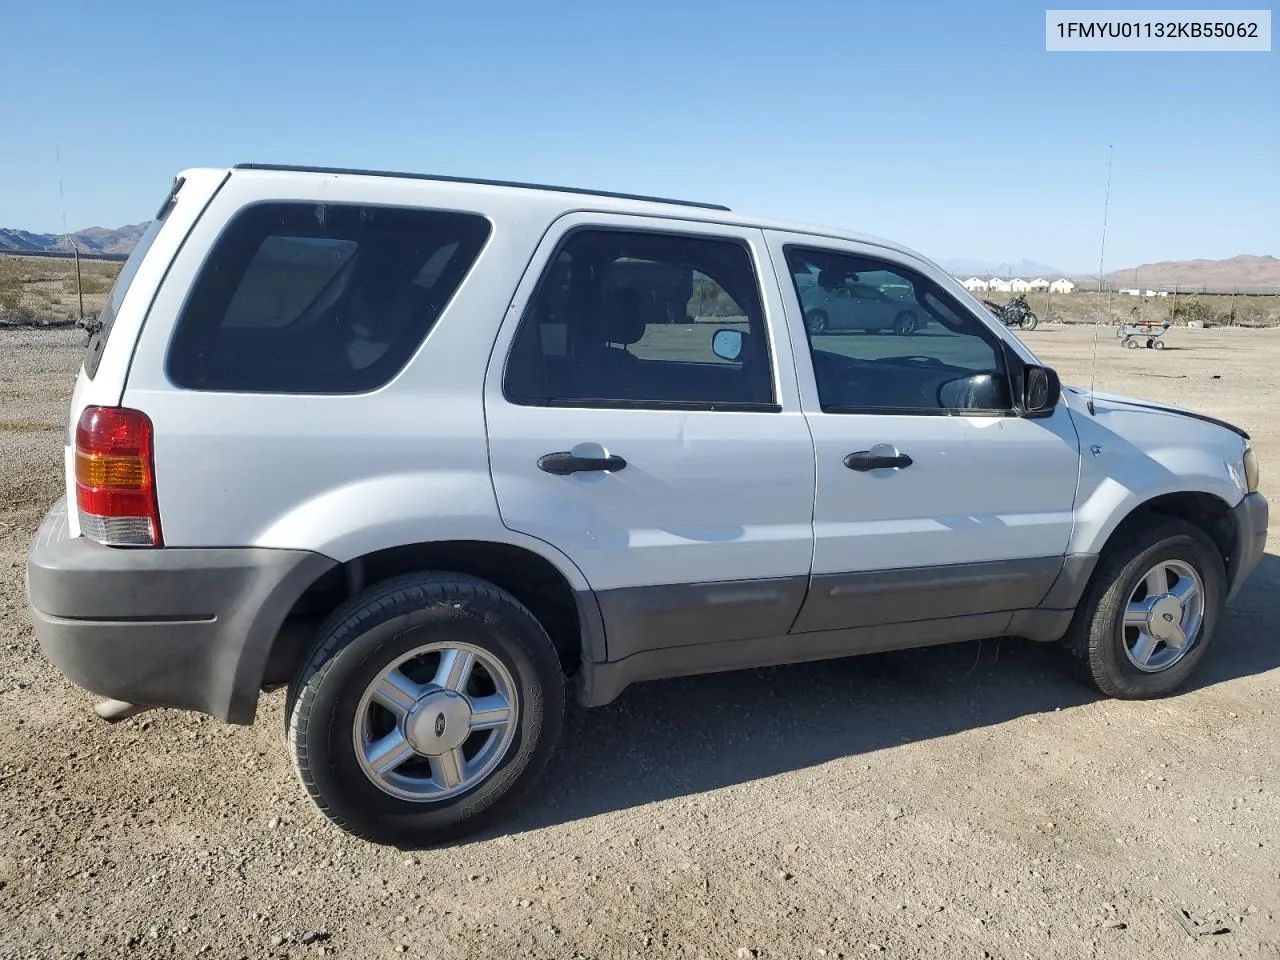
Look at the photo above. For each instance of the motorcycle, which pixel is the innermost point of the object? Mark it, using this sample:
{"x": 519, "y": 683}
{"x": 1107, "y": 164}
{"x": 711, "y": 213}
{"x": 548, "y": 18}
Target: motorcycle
{"x": 1016, "y": 313}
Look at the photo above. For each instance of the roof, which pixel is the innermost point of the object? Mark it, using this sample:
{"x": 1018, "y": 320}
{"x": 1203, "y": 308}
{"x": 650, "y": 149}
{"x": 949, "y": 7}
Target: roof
{"x": 690, "y": 210}
{"x": 487, "y": 183}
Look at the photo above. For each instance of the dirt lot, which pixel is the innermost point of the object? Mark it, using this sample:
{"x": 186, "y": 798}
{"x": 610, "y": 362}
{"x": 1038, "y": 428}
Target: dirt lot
{"x": 969, "y": 801}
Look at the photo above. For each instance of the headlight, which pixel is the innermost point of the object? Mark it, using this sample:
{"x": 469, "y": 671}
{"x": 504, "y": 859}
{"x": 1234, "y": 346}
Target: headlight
{"x": 1250, "y": 468}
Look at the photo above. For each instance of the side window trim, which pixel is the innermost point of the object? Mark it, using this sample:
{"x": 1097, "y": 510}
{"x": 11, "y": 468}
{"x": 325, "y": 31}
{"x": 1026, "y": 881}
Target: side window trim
{"x": 762, "y": 273}
{"x": 803, "y": 336}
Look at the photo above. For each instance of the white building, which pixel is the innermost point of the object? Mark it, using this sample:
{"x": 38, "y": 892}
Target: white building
{"x": 1061, "y": 285}
{"x": 1018, "y": 285}
{"x": 1129, "y": 292}
{"x": 974, "y": 284}
{"x": 1039, "y": 283}
{"x": 996, "y": 285}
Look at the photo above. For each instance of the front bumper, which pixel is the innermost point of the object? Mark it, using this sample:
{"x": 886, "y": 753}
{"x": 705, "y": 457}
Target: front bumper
{"x": 169, "y": 627}
{"x": 1251, "y": 516}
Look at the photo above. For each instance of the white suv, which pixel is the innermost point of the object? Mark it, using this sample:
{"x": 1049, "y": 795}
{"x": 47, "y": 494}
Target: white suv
{"x": 431, "y": 450}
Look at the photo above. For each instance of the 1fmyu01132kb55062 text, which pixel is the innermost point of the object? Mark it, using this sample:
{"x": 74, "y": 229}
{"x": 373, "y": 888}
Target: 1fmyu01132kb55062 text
{"x": 1158, "y": 30}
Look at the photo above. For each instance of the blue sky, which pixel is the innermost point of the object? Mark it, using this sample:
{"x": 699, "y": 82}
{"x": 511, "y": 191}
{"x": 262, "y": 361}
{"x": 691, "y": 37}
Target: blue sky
{"x": 945, "y": 126}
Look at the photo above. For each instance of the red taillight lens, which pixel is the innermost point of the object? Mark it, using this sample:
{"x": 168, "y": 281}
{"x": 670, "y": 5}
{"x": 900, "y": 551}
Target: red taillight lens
{"x": 115, "y": 478}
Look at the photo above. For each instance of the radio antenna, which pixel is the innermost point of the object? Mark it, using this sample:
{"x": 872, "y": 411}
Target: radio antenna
{"x": 75, "y": 253}
{"x": 1102, "y": 255}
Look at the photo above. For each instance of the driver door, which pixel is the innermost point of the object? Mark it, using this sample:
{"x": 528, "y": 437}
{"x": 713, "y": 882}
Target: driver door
{"x": 934, "y": 500}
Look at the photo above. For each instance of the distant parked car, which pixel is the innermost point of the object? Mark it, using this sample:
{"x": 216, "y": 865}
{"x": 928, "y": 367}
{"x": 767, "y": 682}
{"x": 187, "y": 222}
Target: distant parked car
{"x": 833, "y": 304}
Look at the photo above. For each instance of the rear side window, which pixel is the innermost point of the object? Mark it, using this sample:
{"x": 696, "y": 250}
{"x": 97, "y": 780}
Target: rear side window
{"x": 320, "y": 298}
{"x": 631, "y": 319}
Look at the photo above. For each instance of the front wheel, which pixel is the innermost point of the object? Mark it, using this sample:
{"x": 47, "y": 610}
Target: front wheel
{"x": 816, "y": 321}
{"x": 1150, "y": 611}
{"x": 1030, "y": 322}
{"x": 430, "y": 703}
{"x": 905, "y": 324}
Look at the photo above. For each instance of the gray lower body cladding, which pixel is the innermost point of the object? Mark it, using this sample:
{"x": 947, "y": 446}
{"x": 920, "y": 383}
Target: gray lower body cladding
{"x": 1251, "y": 516}
{"x": 677, "y": 629}
{"x": 193, "y": 628}
{"x": 184, "y": 628}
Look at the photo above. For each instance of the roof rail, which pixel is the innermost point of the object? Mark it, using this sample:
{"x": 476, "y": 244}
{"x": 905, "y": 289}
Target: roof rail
{"x": 488, "y": 183}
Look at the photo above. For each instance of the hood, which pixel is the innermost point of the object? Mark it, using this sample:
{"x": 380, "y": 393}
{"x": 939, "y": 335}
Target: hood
{"x": 1078, "y": 398}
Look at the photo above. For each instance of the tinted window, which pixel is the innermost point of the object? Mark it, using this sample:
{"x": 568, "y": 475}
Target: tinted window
{"x": 628, "y": 319}
{"x": 96, "y": 341}
{"x": 883, "y": 337}
{"x": 320, "y": 298}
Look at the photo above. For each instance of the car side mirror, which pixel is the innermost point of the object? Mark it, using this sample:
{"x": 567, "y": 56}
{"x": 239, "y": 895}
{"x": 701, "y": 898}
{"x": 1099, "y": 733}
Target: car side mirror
{"x": 979, "y": 391}
{"x": 1041, "y": 390}
{"x": 728, "y": 344}
{"x": 1035, "y": 390}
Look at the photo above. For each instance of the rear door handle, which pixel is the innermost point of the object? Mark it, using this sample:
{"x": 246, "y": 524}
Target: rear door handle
{"x": 564, "y": 463}
{"x": 865, "y": 460}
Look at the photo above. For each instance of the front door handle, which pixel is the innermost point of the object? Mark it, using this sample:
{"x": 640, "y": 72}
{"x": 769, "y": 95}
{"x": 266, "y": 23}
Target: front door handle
{"x": 865, "y": 460}
{"x": 564, "y": 463}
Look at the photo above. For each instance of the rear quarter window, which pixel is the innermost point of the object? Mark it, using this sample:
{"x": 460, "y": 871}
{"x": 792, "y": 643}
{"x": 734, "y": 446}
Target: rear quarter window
{"x": 320, "y": 298}
{"x": 96, "y": 341}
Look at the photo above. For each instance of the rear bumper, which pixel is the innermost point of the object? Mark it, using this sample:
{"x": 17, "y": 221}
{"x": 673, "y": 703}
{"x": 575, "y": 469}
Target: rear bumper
{"x": 184, "y": 628}
{"x": 1251, "y": 517}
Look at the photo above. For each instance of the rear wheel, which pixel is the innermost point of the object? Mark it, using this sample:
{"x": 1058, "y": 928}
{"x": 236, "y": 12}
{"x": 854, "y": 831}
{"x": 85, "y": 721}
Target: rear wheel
{"x": 430, "y": 703}
{"x": 816, "y": 321}
{"x": 1150, "y": 611}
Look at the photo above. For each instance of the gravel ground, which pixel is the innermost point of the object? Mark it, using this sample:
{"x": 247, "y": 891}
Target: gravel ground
{"x": 967, "y": 801}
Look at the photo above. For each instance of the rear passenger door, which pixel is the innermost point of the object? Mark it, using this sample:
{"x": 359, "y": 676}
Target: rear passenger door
{"x": 643, "y": 418}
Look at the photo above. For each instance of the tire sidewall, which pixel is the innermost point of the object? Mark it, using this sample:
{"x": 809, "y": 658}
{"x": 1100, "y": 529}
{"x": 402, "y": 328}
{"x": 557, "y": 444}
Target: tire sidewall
{"x": 1108, "y": 652}
{"x": 905, "y": 323}
{"x": 327, "y": 706}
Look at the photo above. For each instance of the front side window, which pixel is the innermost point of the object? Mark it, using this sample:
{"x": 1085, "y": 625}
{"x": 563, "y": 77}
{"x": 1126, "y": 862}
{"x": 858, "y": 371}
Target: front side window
{"x": 633, "y": 319}
{"x": 884, "y": 338}
{"x": 320, "y": 298}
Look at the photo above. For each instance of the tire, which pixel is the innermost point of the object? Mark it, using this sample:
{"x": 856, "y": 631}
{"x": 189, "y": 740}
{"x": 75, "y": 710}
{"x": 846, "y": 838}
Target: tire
{"x": 363, "y": 640}
{"x": 905, "y": 324}
{"x": 1159, "y": 345}
{"x": 1030, "y": 322}
{"x": 816, "y": 321}
{"x": 1104, "y": 649}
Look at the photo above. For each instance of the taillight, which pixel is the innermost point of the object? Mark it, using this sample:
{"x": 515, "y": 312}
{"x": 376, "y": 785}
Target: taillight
{"x": 115, "y": 478}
